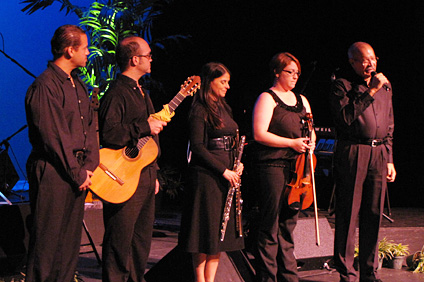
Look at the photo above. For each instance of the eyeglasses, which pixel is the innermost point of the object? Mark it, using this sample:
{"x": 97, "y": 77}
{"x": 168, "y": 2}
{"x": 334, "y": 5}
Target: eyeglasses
{"x": 292, "y": 73}
{"x": 148, "y": 56}
{"x": 365, "y": 62}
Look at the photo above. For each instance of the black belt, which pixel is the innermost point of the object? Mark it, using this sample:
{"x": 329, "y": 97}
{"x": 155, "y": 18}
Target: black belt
{"x": 226, "y": 143}
{"x": 370, "y": 142}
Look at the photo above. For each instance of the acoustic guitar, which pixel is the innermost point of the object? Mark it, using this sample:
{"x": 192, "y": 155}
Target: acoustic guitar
{"x": 116, "y": 178}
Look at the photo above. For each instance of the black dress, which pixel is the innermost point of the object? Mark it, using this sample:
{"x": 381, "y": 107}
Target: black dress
{"x": 207, "y": 189}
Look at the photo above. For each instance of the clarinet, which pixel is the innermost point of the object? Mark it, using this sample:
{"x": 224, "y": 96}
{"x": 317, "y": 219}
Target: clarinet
{"x": 239, "y": 203}
{"x": 230, "y": 195}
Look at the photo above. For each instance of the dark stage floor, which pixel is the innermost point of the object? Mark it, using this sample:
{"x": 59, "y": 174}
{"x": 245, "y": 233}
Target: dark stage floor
{"x": 407, "y": 228}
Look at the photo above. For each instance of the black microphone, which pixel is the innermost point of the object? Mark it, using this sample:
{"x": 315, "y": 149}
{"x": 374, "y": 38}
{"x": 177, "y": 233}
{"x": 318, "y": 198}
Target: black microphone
{"x": 386, "y": 87}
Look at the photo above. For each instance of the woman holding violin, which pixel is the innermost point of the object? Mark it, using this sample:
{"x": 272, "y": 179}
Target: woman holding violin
{"x": 279, "y": 119}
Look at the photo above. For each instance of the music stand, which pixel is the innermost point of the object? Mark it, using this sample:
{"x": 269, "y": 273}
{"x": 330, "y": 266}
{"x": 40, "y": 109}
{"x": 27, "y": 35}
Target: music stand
{"x": 6, "y": 201}
{"x": 4, "y": 175}
{"x": 8, "y": 175}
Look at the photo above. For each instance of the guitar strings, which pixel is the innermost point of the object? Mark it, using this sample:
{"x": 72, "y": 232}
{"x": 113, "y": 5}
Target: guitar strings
{"x": 131, "y": 152}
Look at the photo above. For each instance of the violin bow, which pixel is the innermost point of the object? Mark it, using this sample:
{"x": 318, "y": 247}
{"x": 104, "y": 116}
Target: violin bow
{"x": 310, "y": 127}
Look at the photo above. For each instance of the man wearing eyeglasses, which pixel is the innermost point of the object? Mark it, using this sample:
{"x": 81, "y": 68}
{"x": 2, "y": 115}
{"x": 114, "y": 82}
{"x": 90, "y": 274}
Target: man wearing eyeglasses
{"x": 124, "y": 119}
{"x": 363, "y": 115}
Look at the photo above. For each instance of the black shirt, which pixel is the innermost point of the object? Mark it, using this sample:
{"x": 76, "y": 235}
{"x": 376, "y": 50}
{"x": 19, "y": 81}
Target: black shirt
{"x": 123, "y": 114}
{"x": 359, "y": 116}
{"x": 60, "y": 122}
{"x": 286, "y": 121}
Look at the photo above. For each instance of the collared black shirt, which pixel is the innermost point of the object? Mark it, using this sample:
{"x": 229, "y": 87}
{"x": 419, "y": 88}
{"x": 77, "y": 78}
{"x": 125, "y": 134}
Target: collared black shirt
{"x": 123, "y": 114}
{"x": 360, "y": 116}
{"x": 60, "y": 122}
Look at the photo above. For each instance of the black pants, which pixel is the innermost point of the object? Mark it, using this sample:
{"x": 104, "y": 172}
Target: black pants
{"x": 128, "y": 232}
{"x": 58, "y": 211}
{"x": 274, "y": 256}
{"x": 361, "y": 172}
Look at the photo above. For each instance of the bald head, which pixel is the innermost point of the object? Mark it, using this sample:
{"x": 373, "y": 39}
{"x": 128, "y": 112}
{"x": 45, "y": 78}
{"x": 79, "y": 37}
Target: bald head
{"x": 362, "y": 59}
{"x": 357, "y": 49}
{"x": 128, "y": 48}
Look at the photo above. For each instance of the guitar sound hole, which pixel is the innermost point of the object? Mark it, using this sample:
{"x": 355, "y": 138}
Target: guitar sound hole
{"x": 131, "y": 152}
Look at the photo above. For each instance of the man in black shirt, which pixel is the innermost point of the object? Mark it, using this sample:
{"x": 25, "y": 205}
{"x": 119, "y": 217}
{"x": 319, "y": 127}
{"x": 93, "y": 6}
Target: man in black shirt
{"x": 64, "y": 155}
{"x": 363, "y": 114}
{"x": 124, "y": 117}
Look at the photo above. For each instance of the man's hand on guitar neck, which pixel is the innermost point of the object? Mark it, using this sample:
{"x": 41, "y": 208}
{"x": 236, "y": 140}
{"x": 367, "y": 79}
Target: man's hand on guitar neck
{"x": 156, "y": 126}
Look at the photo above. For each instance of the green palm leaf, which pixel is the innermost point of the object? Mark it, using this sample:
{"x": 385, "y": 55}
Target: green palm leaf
{"x": 105, "y": 24}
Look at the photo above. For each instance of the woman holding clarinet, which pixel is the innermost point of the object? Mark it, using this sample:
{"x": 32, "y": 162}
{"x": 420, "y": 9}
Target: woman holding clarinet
{"x": 213, "y": 143}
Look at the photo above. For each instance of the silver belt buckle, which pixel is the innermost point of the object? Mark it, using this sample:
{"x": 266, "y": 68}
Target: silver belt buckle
{"x": 374, "y": 143}
{"x": 227, "y": 141}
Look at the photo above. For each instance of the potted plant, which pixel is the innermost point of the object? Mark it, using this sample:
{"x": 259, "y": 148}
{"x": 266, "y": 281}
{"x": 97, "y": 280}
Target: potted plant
{"x": 356, "y": 258}
{"x": 399, "y": 252}
{"x": 385, "y": 252}
{"x": 415, "y": 262}
{"x": 172, "y": 185}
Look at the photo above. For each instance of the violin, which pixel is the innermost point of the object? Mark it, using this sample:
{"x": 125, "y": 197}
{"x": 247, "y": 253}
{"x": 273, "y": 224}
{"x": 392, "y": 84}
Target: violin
{"x": 300, "y": 192}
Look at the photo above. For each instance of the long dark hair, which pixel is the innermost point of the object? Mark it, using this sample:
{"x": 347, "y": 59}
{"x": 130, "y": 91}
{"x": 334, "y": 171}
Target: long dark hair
{"x": 209, "y": 100}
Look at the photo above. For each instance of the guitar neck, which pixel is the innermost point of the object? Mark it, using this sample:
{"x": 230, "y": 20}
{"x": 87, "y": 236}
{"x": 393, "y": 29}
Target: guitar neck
{"x": 189, "y": 88}
{"x": 173, "y": 104}
{"x": 176, "y": 101}
{"x": 142, "y": 141}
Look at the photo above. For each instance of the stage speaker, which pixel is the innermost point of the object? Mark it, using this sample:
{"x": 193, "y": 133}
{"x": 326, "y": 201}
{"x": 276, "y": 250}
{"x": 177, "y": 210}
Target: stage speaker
{"x": 93, "y": 217}
{"x": 177, "y": 266}
{"x": 8, "y": 175}
{"x": 93, "y": 229}
{"x": 308, "y": 254}
{"x": 14, "y": 237}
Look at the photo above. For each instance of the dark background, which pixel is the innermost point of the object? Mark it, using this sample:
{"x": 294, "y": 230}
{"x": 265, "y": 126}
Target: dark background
{"x": 244, "y": 35}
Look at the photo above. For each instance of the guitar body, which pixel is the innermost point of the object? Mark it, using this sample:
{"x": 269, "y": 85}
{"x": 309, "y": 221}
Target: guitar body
{"x": 126, "y": 171}
{"x": 116, "y": 178}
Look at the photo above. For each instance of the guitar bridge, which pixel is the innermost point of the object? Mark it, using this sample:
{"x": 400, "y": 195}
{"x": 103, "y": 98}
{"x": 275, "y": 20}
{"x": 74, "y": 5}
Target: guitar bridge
{"x": 111, "y": 174}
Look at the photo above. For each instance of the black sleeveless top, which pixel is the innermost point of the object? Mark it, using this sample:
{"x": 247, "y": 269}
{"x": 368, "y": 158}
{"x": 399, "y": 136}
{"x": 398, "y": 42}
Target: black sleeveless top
{"x": 286, "y": 121}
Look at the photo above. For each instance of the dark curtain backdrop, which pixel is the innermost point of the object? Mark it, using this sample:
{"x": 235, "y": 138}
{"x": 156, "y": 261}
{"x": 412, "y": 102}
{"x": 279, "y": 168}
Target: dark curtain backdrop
{"x": 244, "y": 35}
